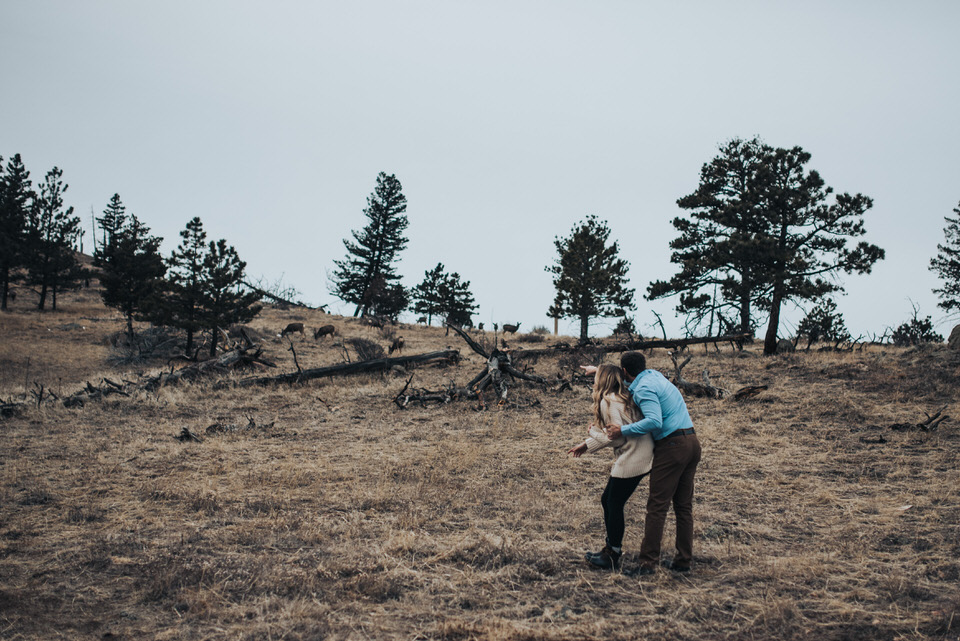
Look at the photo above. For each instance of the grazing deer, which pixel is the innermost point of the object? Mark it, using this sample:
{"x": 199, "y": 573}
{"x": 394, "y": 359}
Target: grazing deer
{"x": 480, "y": 326}
{"x": 326, "y": 330}
{"x": 292, "y": 328}
{"x": 422, "y": 320}
{"x": 511, "y": 328}
{"x": 396, "y": 345}
{"x": 375, "y": 321}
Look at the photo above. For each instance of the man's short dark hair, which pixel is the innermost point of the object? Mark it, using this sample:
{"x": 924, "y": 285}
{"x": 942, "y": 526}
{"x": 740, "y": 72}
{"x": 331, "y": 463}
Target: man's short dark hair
{"x": 633, "y": 363}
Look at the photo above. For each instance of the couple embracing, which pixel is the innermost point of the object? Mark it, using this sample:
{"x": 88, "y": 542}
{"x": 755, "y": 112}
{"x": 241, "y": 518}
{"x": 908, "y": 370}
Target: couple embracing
{"x": 643, "y": 417}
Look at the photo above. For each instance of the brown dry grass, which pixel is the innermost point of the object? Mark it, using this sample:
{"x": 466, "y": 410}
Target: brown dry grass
{"x": 350, "y": 519}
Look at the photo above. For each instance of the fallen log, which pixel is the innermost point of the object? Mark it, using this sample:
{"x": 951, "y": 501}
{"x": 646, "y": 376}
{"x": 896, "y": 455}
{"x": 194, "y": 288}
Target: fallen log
{"x": 630, "y": 346}
{"x": 750, "y": 391}
{"x": 361, "y": 367}
{"x": 240, "y": 357}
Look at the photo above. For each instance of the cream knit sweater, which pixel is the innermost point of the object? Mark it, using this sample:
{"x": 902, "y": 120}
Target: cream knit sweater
{"x": 634, "y": 454}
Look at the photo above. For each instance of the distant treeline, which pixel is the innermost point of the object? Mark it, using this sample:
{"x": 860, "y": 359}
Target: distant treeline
{"x": 761, "y": 229}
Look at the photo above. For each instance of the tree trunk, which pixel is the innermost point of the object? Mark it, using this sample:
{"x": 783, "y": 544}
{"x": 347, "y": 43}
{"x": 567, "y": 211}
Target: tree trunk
{"x": 6, "y": 288}
{"x": 43, "y": 297}
{"x": 130, "y": 325}
{"x": 770, "y": 340}
{"x": 745, "y": 311}
{"x": 584, "y": 328}
{"x": 214, "y": 334}
{"x": 189, "y": 340}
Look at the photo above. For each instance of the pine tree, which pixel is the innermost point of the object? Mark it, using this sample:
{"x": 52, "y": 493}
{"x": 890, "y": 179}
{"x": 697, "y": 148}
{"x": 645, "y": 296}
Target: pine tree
{"x": 15, "y": 204}
{"x": 224, "y": 301}
{"x": 589, "y": 276}
{"x": 113, "y": 219}
{"x": 131, "y": 271}
{"x": 367, "y": 277}
{"x": 947, "y": 265}
{"x": 720, "y": 274}
{"x": 183, "y": 302}
{"x": 823, "y": 323}
{"x": 764, "y": 230}
{"x": 458, "y": 301}
{"x": 444, "y": 295}
{"x": 51, "y": 236}
{"x": 428, "y": 295}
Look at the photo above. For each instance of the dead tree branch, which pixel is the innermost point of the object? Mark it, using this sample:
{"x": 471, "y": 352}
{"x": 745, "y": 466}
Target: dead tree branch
{"x": 360, "y": 367}
{"x": 292, "y": 303}
{"x": 929, "y": 425}
{"x": 704, "y": 389}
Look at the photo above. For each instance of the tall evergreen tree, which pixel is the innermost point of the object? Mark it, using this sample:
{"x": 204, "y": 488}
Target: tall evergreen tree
{"x": 458, "y": 301}
{"x": 224, "y": 301}
{"x": 589, "y": 276}
{"x": 51, "y": 236}
{"x": 113, "y": 219}
{"x": 765, "y": 230}
{"x": 947, "y": 265}
{"x": 184, "y": 299}
{"x": 15, "y": 205}
{"x": 131, "y": 271}
{"x": 444, "y": 295}
{"x": 807, "y": 233}
{"x": 720, "y": 272}
{"x": 367, "y": 277}
{"x": 428, "y": 295}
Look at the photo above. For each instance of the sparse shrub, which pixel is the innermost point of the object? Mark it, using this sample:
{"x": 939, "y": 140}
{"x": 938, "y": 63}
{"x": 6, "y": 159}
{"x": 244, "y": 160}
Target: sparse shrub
{"x": 540, "y": 330}
{"x": 625, "y": 327}
{"x": 366, "y": 349}
{"x": 916, "y": 331}
{"x": 824, "y": 323}
{"x": 532, "y": 338}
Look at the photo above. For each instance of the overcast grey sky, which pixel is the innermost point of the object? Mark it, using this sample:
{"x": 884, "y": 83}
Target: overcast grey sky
{"x": 506, "y": 122}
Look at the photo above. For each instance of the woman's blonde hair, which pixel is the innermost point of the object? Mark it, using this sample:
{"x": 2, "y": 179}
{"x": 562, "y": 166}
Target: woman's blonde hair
{"x": 609, "y": 380}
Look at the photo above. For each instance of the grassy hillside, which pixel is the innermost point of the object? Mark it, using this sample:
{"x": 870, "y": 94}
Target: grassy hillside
{"x": 334, "y": 514}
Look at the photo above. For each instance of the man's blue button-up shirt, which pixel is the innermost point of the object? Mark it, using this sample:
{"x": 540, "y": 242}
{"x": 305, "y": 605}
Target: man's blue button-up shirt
{"x": 663, "y": 407}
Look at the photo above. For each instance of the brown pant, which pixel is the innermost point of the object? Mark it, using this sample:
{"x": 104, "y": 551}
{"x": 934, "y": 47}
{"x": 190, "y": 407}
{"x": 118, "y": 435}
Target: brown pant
{"x": 671, "y": 480}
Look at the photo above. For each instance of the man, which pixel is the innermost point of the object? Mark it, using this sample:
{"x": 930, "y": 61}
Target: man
{"x": 676, "y": 453}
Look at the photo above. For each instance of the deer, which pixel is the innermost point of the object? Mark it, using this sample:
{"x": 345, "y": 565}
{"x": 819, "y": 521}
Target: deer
{"x": 422, "y": 320}
{"x": 292, "y": 328}
{"x": 511, "y": 328}
{"x": 396, "y": 345}
{"x": 326, "y": 330}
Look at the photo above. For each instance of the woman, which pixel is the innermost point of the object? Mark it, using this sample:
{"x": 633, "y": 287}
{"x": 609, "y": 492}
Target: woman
{"x": 612, "y": 405}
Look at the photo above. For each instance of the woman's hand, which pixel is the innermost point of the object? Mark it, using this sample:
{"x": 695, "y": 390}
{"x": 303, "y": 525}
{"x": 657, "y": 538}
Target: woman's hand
{"x": 589, "y": 369}
{"x": 578, "y": 450}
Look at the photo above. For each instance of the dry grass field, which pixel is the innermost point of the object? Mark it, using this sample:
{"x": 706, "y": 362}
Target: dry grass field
{"x": 339, "y": 516}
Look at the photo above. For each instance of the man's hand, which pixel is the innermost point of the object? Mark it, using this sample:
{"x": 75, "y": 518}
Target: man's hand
{"x": 613, "y": 431}
{"x": 578, "y": 450}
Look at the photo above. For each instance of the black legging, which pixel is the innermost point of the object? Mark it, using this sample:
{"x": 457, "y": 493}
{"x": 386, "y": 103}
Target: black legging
{"x": 613, "y": 499}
